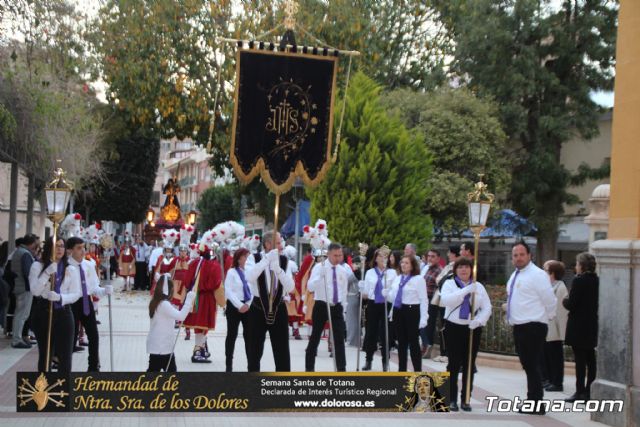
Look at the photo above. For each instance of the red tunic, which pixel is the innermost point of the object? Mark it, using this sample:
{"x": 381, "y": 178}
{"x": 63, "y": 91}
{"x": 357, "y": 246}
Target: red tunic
{"x": 179, "y": 286}
{"x": 162, "y": 268}
{"x": 127, "y": 262}
{"x": 203, "y": 315}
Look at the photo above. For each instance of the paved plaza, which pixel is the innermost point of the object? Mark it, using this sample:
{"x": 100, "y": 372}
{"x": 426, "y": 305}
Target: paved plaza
{"x": 130, "y": 326}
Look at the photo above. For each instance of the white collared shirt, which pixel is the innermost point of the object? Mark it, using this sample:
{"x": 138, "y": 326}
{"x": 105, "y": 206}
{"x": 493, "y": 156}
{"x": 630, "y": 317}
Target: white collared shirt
{"x": 70, "y": 288}
{"x": 90, "y": 276}
{"x": 451, "y": 296}
{"x": 254, "y": 272}
{"x": 321, "y": 281}
{"x": 234, "y": 289}
{"x": 371, "y": 279}
{"x": 414, "y": 292}
{"x": 533, "y": 299}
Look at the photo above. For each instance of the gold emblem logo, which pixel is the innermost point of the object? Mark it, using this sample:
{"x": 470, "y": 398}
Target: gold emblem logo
{"x": 41, "y": 393}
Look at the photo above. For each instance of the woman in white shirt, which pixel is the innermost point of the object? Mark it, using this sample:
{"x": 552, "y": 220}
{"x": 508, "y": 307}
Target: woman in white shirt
{"x": 456, "y": 297}
{"x": 238, "y": 294}
{"x": 162, "y": 335}
{"x": 375, "y": 281}
{"x": 408, "y": 294}
{"x": 65, "y": 292}
{"x": 553, "y": 371}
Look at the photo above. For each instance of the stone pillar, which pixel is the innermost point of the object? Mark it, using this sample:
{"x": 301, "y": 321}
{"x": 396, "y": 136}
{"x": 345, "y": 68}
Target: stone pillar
{"x": 619, "y": 257}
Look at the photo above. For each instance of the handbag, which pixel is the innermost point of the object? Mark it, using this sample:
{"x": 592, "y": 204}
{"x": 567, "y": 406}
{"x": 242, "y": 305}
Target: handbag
{"x": 441, "y": 330}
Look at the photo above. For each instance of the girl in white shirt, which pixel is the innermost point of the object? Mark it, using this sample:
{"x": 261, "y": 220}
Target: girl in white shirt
{"x": 456, "y": 297}
{"x": 375, "y": 281}
{"x": 65, "y": 292}
{"x": 161, "y": 338}
{"x": 239, "y": 298}
{"x": 408, "y": 294}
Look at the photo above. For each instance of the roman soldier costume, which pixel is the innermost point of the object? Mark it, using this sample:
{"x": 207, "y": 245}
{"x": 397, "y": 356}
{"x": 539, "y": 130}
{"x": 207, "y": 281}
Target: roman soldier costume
{"x": 127, "y": 263}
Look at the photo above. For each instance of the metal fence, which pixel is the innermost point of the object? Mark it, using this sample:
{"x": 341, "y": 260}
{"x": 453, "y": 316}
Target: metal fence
{"x": 497, "y": 335}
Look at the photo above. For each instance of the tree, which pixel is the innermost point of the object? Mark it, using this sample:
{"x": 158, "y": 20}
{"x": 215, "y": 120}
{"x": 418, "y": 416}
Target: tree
{"x": 465, "y": 138}
{"x": 540, "y": 64}
{"x": 160, "y": 60}
{"x": 219, "y": 204}
{"x": 125, "y": 193}
{"x": 377, "y": 190}
{"x": 402, "y": 43}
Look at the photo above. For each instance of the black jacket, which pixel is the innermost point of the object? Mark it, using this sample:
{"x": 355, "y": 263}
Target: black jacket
{"x": 582, "y": 303}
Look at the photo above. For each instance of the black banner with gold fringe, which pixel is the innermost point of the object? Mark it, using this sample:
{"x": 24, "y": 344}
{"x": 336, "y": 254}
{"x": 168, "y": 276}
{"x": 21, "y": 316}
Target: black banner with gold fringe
{"x": 283, "y": 119}
{"x": 233, "y": 392}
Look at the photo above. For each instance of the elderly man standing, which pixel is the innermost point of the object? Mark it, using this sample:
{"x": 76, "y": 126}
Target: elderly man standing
{"x": 530, "y": 305}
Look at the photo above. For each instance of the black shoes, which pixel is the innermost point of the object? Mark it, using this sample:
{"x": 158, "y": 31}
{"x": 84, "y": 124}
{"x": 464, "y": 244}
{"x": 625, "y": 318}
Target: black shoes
{"x": 465, "y": 407}
{"x": 21, "y": 344}
{"x": 77, "y": 348}
{"x": 367, "y": 366}
{"x": 453, "y": 407}
{"x": 553, "y": 387}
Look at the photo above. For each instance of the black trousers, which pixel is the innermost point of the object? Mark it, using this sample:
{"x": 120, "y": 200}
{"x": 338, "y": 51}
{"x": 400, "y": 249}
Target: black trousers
{"x": 430, "y": 330}
{"x": 407, "y": 320}
{"x": 319, "y": 318}
{"x": 62, "y": 329}
{"x": 234, "y": 318}
{"x": 457, "y": 338}
{"x": 529, "y": 339}
{"x": 278, "y": 335}
{"x": 91, "y": 329}
{"x": 554, "y": 362}
{"x": 141, "y": 279}
{"x": 585, "y": 367}
{"x": 158, "y": 362}
{"x": 374, "y": 331}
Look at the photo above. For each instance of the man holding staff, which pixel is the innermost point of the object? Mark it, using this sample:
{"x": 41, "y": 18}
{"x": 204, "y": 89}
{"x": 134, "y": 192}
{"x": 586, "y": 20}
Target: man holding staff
{"x": 270, "y": 279}
{"x": 329, "y": 282}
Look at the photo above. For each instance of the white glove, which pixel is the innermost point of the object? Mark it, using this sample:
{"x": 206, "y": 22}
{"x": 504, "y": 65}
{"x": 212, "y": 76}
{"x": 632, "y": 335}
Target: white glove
{"x": 189, "y": 298}
{"x": 156, "y": 276}
{"x": 53, "y": 296}
{"x": 304, "y": 309}
{"x": 423, "y": 324}
{"x": 287, "y": 298}
{"x": 470, "y": 288}
{"x": 273, "y": 257}
{"x": 52, "y": 269}
{"x": 385, "y": 292}
{"x": 108, "y": 289}
{"x": 361, "y": 285}
{"x": 475, "y": 323}
{"x": 303, "y": 298}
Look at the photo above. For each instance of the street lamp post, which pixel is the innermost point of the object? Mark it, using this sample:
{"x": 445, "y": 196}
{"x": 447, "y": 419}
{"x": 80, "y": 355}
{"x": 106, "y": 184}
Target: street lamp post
{"x": 479, "y": 202}
{"x": 58, "y": 193}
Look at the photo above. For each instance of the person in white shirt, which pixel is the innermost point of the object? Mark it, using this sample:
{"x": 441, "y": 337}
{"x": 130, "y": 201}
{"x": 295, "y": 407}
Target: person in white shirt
{"x": 163, "y": 314}
{"x": 332, "y": 277}
{"x": 268, "y": 311}
{"x": 530, "y": 305}
{"x": 83, "y": 310}
{"x": 456, "y": 296}
{"x": 66, "y": 291}
{"x": 375, "y": 281}
{"x": 408, "y": 294}
{"x": 238, "y": 294}
{"x": 553, "y": 347}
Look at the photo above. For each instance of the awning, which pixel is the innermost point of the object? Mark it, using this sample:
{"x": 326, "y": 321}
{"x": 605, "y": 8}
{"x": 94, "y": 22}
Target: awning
{"x": 289, "y": 226}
